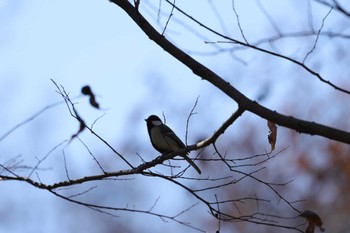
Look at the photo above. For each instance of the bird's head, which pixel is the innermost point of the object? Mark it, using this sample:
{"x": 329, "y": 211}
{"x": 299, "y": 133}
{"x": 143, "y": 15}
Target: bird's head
{"x": 153, "y": 120}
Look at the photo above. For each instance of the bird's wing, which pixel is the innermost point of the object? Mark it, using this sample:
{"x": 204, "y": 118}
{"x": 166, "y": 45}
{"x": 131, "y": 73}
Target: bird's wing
{"x": 170, "y": 135}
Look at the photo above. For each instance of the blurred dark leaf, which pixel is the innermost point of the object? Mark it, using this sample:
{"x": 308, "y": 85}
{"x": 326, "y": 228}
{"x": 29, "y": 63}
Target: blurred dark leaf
{"x": 313, "y": 219}
{"x": 86, "y": 90}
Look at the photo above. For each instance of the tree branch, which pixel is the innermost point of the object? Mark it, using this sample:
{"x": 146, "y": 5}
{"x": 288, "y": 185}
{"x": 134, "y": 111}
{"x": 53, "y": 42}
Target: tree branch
{"x": 244, "y": 103}
{"x": 137, "y": 170}
{"x": 231, "y": 40}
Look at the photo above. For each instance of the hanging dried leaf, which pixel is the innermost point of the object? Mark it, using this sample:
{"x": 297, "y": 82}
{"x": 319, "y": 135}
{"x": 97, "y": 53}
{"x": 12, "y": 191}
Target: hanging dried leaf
{"x": 313, "y": 219}
{"x": 272, "y": 136}
{"x": 310, "y": 229}
{"x": 86, "y": 90}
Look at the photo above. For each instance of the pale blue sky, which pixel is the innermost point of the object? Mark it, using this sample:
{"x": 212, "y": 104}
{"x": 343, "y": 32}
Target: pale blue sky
{"x": 75, "y": 43}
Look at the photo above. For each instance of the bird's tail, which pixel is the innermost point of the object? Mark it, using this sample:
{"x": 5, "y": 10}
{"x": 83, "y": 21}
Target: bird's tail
{"x": 192, "y": 164}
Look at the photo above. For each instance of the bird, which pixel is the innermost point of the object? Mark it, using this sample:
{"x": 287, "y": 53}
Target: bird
{"x": 164, "y": 140}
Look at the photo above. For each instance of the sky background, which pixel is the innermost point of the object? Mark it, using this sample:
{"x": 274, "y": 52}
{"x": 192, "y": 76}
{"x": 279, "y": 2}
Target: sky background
{"x": 95, "y": 43}
{"x": 74, "y": 43}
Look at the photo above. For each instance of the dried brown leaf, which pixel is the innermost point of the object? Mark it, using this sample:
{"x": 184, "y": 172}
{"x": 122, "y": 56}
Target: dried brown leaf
{"x": 272, "y": 136}
{"x": 313, "y": 219}
{"x": 86, "y": 90}
{"x": 81, "y": 128}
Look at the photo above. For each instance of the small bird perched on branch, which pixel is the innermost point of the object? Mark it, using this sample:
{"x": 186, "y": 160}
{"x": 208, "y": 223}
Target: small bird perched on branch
{"x": 165, "y": 140}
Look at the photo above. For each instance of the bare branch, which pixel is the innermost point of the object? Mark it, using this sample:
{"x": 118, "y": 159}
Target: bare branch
{"x": 244, "y": 103}
{"x": 221, "y": 130}
{"x": 93, "y": 156}
{"x": 104, "y": 209}
{"x": 336, "y": 6}
{"x": 317, "y": 36}
{"x": 70, "y": 105}
{"x": 30, "y": 119}
{"x": 170, "y": 15}
{"x": 81, "y": 193}
{"x": 231, "y": 40}
{"x": 65, "y": 164}
{"x": 239, "y": 23}
{"x": 189, "y": 117}
{"x": 45, "y": 157}
{"x": 268, "y": 16}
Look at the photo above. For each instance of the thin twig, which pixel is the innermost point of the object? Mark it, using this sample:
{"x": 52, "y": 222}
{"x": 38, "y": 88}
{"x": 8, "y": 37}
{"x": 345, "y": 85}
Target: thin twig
{"x": 189, "y": 117}
{"x": 239, "y": 23}
{"x": 301, "y": 126}
{"x": 231, "y": 40}
{"x": 170, "y": 15}
{"x": 65, "y": 164}
{"x": 45, "y": 157}
{"x": 70, "y": 105}
{"x": 268, "y": 16}
{"x": 30, "y": 119}
{"x": 92, "y": 155}
{"x": 317, "y": 36}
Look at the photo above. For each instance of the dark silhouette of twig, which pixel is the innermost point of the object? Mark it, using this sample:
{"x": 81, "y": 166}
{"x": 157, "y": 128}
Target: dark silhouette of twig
{"x": 170, "y": 15}
{"x": 44, "y": 158}
{"x": 75, "y": 114}
{"x": 231, "y": 40}
{"x": 244, "y": 103}
{"x": 30, "y": 119}
{"x": 317, "y": 36}
{"x": 188, "y": 119}
{"x": 239, "y": 23}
